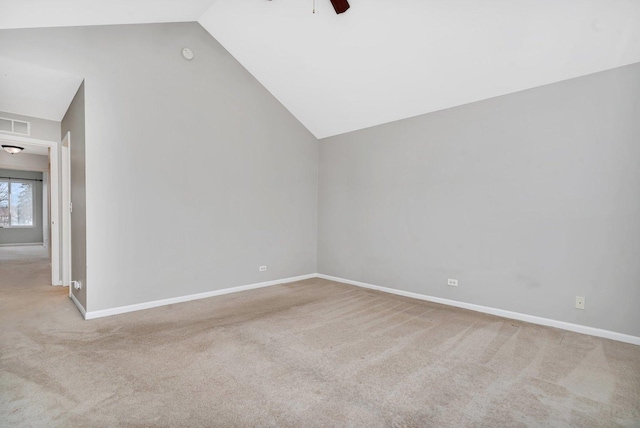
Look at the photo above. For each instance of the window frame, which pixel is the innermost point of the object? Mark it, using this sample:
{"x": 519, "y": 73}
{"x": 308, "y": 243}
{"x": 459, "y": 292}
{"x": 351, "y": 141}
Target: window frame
{"x": 33, "y": 203}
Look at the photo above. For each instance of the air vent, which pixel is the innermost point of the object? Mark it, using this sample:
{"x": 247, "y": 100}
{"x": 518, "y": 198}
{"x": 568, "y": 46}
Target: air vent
{"x": 13, "y": 126}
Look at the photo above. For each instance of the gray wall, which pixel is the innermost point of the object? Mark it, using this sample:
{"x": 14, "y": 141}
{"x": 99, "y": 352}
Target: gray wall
{"x": 74, "y": 122}
{"x": 195, "y": 174}
{"x": 42, "y": 129}
{"x": 25, "y": 235}
{"x": 528, "y": 200}
{"x": 24, "y": 161}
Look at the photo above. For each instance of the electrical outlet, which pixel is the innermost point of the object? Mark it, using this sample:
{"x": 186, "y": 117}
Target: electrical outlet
{"x": 77, "y": 284}
{"x": 452, "y": 282}
{"x": 580, "y": 302}
{"x": 263, "y": 268}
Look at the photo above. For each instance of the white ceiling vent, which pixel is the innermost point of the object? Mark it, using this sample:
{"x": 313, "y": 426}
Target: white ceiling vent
{"x": 13, "y": 126}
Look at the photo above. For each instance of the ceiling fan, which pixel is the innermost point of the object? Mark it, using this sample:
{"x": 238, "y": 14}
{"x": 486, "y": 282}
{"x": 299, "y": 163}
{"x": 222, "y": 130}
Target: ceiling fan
{"x": 340, "y": 6}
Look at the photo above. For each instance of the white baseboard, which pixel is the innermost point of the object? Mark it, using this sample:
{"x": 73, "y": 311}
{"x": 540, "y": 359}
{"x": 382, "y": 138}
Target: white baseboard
{"x": 22, "y": 244}
{"x": 78, "y": 305}
{"x": 592, "y": 331}
{"x": 156, "y": 303}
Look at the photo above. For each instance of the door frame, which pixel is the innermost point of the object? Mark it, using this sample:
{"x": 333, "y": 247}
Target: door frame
{"x": 65, "y": 220}
{"x": 55, "y": 197}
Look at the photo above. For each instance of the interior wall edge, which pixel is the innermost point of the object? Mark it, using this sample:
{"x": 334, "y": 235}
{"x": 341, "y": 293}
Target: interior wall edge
{"x": 83, "y": 312}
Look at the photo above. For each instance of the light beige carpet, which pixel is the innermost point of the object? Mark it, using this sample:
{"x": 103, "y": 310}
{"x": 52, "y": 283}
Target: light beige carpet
{"x": 313, "y": 353}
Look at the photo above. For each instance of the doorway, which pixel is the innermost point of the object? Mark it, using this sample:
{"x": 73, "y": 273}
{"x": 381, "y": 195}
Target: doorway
{"x": 53, "y": 231}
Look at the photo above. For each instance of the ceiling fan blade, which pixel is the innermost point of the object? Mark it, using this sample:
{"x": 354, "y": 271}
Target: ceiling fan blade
{"x": 340, "y": 6}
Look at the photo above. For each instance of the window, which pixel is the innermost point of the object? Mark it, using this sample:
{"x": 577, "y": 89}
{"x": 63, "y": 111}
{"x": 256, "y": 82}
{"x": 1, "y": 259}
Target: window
{"x": 16, "y": 203}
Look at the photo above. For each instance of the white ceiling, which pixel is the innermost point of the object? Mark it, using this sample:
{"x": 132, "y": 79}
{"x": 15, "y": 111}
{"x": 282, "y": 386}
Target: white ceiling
{"x": 36, "y": 91}
{"x": 386, "y": 60}
{"x": 36, "y": 150}
{"x": 381, "y": 60}
{"x": 62, "y": 13}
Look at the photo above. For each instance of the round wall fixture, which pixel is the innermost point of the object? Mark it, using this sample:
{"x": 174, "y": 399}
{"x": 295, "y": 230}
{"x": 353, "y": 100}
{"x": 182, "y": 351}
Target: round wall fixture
{"x": 187, "y": 53}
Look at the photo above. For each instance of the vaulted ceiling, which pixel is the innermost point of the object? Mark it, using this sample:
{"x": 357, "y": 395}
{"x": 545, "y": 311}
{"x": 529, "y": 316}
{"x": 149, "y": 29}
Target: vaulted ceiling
{"x": 36, "y": 91}
{"x": 65, "y": 13}
{"x": 382, "y": 60}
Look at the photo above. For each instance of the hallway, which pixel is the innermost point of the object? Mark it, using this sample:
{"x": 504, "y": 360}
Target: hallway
{"x": 30, "y": 308}
{"x": 25, "y": 288}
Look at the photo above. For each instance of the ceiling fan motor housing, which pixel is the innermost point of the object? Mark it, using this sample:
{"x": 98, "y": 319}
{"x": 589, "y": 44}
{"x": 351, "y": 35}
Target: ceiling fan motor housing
{"x": 340, "y": 6}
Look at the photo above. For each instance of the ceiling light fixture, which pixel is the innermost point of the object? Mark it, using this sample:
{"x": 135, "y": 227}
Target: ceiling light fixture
{"x": 12, "y": 149}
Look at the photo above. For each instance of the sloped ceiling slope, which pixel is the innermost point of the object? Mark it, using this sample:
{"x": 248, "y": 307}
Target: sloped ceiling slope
{"x": 36, "y": 91}
{"x": 382, "y": 60}
{"x": 65, "y": 13}
{"x": 387, "y": 60}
